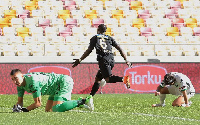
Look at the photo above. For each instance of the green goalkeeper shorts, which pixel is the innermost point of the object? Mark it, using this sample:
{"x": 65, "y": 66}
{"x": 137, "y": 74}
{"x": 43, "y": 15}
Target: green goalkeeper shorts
{"x": 63, "y": 89}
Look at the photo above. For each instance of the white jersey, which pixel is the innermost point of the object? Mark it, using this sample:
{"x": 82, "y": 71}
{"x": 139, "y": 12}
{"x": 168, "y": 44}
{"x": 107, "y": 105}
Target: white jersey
{"x": 182, "y": 83}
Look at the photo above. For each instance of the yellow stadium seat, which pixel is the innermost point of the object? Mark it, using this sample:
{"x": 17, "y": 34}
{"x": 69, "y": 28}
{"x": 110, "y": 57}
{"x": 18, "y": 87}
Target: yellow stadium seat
{"x": 31, "y": 5}
{"x": 172, "y": 31}
{"x": 64, "y": 14}
{"x": 138, "y": 22}
{"x": 118, "y": 14}
{"x": 23, "y": 31}
{"x": 10, "y": 14}
{"x": 191, "y": 22}
{"x": 136, "y": 5}
{"x": 91, "y": 14}
{"x": 4, "y": 22}
{"x": 108, "y": 31}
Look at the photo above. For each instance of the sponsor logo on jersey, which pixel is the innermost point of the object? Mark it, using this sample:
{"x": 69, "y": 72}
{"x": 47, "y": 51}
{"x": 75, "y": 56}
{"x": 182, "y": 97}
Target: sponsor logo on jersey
{"x": 145, "y": 78}
{"x": 51, "y": 69}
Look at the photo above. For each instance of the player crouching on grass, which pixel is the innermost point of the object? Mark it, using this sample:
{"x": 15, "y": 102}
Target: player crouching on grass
{"x": 176, "y": 84}
{"x": 57, "y": 86}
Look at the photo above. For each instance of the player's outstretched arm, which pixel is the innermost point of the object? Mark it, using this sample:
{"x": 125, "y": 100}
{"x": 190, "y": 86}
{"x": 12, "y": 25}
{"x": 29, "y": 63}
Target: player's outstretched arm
{"x": 123, "y": 55}
{"x": 85, "y": 54}
{"x": 35, "y": 105}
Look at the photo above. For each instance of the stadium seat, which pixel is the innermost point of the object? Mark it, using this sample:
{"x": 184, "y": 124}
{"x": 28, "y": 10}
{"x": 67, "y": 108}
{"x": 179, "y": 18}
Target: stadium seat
{"x": 50, "y": 14}
{"x": 22, "y": 31}
{"x": 30, "y": 40}
{"x": 186, "y": 31}
{"x": 194, "y": 13}
{"x": 197, "y": 50}
{"x": 56, "y": 22}
{"x": 122, "y": 5}
{"x": 125, "y": 22}
{"x": 184, "y": 13}
{"x": 134, "y": 50}
{"x": 111, "y": 22}
{"x": 43, "y": 23}
{"x": 193, "y": 39}
{"x": 37, "y": 50}
{"x": 22, "y": 50}
{"x": 119, "y": 31}
{"x": 63, "y": 14}
{"x": 17, "y": 22}
{"x": 145, "y": 31}
{"x": 8, "y": 50}
{"x": 178, "y": 22}
{"x": 188, "y": 5}
{"x": 43, "y": 5}
{"x": 23, "y": 14}
{"x": 97, "y": 21}
{"x": 136, "y": 5}
{"x": 83, "y": 5}
{"x": 1, "y": 32}
{"x": 36, "y": 14}
{"x": 117, "y": 14}
{"x": 65, "y": 31}
{"x": 9, "y": 14}
{"x": 84, "y": 40}
{"x": 175, "y": 50}
{"x": 144, "y": 14}
{"x": 153, "y": 39}
{"x": 42, "y": 40}
{"x": 31, "y": 5}
{"x": 188, "y": 50}
{"x": 139, "y": 39}
{"x": 167, "y": 39}
{"x": 110, "y": 5}
{"x": 70, "y": 5}
{"x": 162, "y": 5}
{"x": 159, "y": 31}
{"x": 51, "y": 50}
{"x": 64, "y": 50}
{"x": 9, "y": 31}
{"x": 90, "y": 31}
{"x": 130, "y": 14}
{"x": 16, "y": 40}
{"x": 77, "y": 31}
{"x": 161, "y": 50}
{"x": 172, "y": 31}
{"x": 70, "y": 22}
{"x": 77, "y": 14}
{"x": 152, "y": 22}
{"x": 196, "y": 31}
{"x": 91, "y": 14}
{"x": 191, "y": 22}
{"x": 77, "y": 50}
{"x": 4, "y": 5}
{"x": 171, "y": 13}
{"x": 104, "y": 14}
{"x": 30, "y": 22}
{"x": 56, "y": 5}
{"x": 97, "y": 5}
{"x": 147, "y": 50}
{"x": 175, "y": 5}
{"x": 157, "y": 14}
{"x": 84, "y": 23}
{"x": 108, "y": 31}
{"x": 132, "y": 31}
{"x": 36, "y": 31}
{"x": 51, "y": 32}
{"x": 180, "y": 39}
{"x": 197, "y": 4}
{"x": 121, "y": 39}
{"x": 164, "y": 22}
{"x": 139, "y": 22}
{"x": 149, "y": 5}
{"x": 71, "y": 39}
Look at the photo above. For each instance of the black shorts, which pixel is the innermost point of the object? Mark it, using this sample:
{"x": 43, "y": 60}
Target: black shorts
{"x": 106, "y": 64}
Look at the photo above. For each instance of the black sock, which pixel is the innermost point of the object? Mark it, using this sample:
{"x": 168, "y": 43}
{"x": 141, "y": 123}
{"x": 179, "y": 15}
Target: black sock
{"x": 81, "y": 102}
{"x": 114, "y": 79}
{"x": 95, "y": 88}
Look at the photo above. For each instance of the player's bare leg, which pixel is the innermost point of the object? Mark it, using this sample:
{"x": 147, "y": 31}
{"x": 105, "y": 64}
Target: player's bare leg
{"x": 179, "y": 101}
{"x": 162, "y": 95}
{"x": 49, "y": 106}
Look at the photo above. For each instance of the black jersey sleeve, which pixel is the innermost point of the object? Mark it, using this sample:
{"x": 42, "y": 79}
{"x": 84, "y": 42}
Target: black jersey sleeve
{"x": 114, "y": 43}
{"x": 93, "y": 41}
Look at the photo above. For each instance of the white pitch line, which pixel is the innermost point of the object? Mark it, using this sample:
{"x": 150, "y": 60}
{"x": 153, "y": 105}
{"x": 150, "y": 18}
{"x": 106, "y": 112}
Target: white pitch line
{"x": 142, "y": 114}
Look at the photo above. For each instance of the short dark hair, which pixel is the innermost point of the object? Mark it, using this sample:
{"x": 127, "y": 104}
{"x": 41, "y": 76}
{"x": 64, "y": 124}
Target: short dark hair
{"x": 102, "y": 28}
{"x": 14, "y": 71}
{"x": 169, "y": 79}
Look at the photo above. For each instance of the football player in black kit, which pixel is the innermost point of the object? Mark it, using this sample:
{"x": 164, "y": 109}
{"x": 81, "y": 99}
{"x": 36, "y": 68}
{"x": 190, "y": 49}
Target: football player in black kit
{"x": 103, "y": 44}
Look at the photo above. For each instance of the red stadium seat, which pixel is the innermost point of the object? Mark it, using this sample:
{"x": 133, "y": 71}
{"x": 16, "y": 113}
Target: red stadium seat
{"x": 65, "y": 31}
{"x": 96, "y": 22}
{"x": 145, "y": 31}
{"x": 196, "y": 31}
{"x": 171, "y": 13}
{"x": 178, "y": 22}
{"x": 70, "y": 22}
{"x": 144, "y": 14}
{"x": 44, "y": 23}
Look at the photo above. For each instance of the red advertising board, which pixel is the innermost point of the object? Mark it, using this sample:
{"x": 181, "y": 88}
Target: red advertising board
{"x": 145, "y": 77}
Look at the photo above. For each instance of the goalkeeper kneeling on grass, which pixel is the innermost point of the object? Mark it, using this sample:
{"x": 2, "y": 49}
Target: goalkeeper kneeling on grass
{"x": 57, "y": 86}
{"x": 176, "y": 84}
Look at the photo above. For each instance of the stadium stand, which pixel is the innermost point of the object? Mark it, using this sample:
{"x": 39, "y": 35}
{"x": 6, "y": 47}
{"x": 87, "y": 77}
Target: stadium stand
{"x": 150, "y": 28}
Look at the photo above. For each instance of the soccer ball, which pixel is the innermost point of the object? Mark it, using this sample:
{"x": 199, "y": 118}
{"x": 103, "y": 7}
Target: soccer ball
{"x": 103, "y": 83}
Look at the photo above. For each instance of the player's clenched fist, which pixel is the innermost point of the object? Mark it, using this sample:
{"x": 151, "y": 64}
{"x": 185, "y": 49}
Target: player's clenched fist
{"x": 157, "y": 93}
{"x": 77, "y": 61}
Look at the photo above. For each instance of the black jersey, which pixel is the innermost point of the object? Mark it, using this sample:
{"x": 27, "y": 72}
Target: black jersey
{"x": 103, "y": 44}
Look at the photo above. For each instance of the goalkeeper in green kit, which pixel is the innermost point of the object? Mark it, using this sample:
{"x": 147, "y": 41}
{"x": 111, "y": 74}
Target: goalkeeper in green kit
{"x": 57, "y": 86}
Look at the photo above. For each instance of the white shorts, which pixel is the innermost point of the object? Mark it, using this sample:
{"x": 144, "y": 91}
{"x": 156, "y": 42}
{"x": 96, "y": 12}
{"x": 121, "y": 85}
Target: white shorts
{"x": 174, "y": 91}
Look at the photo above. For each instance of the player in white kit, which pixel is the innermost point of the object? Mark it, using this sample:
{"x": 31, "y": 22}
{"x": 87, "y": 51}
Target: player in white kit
{"x": 176, "y": 84}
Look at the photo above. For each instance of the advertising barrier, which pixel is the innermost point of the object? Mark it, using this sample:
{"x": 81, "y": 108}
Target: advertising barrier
{"x": 145, "y": 77}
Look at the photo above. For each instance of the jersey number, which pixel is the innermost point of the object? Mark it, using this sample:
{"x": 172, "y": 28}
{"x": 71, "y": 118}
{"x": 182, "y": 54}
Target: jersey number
{"x": 103, "y": 43}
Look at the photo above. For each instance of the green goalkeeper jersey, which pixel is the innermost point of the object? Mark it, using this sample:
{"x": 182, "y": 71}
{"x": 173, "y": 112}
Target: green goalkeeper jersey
{"x": 39, "y": 83}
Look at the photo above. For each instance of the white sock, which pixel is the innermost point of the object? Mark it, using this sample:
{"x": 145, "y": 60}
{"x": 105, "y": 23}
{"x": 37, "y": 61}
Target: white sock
{"x": 162, "y": 98}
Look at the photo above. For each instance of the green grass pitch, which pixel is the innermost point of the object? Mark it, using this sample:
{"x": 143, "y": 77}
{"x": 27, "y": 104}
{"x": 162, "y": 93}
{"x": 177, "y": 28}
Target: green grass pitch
{"x": 110, "y": 109}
